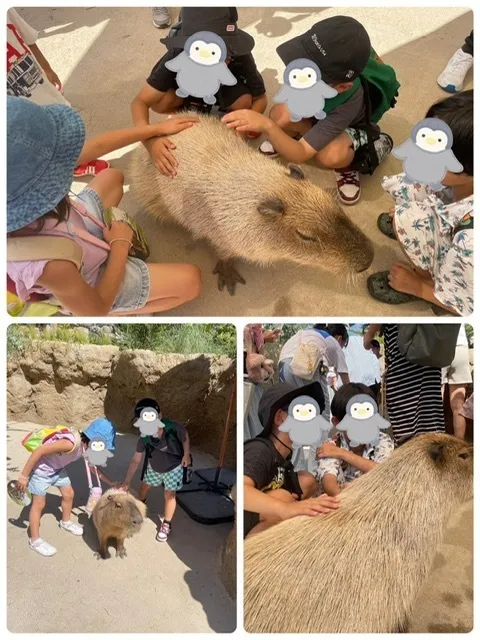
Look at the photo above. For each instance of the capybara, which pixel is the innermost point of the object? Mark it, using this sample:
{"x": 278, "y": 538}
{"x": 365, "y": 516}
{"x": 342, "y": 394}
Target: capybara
{"x": 227, "y": 558}
{"x": 116, "y": 516}
{"x": 359, "y": 569}
{"x": 247, "y": 206}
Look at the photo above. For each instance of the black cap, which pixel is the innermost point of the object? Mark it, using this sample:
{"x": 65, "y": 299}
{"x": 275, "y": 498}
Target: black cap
{"x": 219, "y": 20}
{"x": 146, "y": 403}
{"x": 280, "y": 396}
{"x": 340, "y": 46}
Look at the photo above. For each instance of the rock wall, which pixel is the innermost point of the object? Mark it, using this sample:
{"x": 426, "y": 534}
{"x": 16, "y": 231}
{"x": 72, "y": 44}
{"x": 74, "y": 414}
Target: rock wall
{"x": 56, "y": 382}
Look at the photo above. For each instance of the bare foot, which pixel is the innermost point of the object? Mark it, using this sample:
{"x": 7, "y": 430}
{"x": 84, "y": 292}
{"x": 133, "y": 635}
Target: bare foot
{"x": 227, "y": 275}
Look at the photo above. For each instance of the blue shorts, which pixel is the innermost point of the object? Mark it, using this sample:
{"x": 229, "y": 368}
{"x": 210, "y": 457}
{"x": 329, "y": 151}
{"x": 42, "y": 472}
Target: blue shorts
{"x": 135, "y": 288}
{"x": 39, "y": 485}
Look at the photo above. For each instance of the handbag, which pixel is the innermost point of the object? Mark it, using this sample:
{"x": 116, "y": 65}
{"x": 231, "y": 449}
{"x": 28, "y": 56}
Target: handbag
{"x": 428, "y": 345}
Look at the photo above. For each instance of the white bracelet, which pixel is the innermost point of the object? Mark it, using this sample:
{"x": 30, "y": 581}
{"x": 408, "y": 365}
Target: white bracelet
{"x": 121, "y": 240}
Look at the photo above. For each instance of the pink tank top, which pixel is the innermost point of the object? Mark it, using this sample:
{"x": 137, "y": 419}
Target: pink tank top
{"x": 95, "y": 250}
{"x": 55, "y": 462}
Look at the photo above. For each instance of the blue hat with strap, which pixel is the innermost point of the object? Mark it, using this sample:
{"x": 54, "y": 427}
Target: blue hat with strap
{"x": 102, "y": 428}
{"x": 43, "y": 146}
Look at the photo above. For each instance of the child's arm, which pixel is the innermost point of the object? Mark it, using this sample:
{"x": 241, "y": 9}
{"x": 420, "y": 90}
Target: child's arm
{"x": 359, "y": 462}
{"x": 260, "y": 104}
{"x": 186, "y": 451}
{"x": 137, "y": 458}
{"x": 330, "y": 485}
{"x": 63, "y": 280}
{"x": 112, "y": 140}
{"x": 61, "y": 446}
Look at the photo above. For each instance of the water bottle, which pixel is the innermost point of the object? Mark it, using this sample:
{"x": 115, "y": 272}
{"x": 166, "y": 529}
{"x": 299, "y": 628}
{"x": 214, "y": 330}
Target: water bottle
{"x": 93, "y": 498}
{"x": 22, "y": 499}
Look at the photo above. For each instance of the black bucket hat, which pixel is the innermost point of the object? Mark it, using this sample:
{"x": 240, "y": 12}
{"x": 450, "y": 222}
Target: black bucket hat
{"x": 146, "y": 403}
{"x": 280, "y": 396}
{"x": 219, "y": 20}
{"x": 340, "y": 46}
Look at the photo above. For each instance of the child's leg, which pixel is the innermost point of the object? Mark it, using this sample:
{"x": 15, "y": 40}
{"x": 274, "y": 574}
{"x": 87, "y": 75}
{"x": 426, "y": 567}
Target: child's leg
{"x": 170, "y": 504}
{"x": 38, "y": 505}
{"x": 168, "y": 103}
{"x": 170, "y": 286}
{"x": 280, "y": 114}
{"x": 338, "y": 154}
{"x": 109, "y": 187}
{"x": 143, "y": 491}
{"x": 67, "y": 502}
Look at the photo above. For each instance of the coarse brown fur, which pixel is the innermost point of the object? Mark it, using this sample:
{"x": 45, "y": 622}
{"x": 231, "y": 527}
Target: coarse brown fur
{"x": 117, "y": 515}
{"x": 359, "y": 569}
{"x": 247, "y": 206}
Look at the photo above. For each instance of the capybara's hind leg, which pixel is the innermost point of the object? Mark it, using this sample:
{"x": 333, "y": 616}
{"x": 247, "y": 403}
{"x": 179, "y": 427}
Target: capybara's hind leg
{"x": 227, "y": 275}
{"x": 102, "y": 552}
{"x": 121, "y": 551}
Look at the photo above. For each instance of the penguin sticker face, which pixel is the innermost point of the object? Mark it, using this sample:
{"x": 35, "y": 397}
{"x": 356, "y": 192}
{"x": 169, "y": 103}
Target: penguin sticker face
{"x": 362, "y": 410}
{"x": 305, "y": 425}
{"x": 302, "y": 78}
{"x": 201, "y": 67}
{"x": 204, "y": 53}
{"x": 427, "y": 155}
{"x": 304, "y": 92}
{"x": 149, "y": 423}
{"x": 149, "y": 415}
{"x": 430, "y": 140}
{"x": 97, "y": 453}
{"x": 362, "y": 421}
{"x": 97, "y": 445}
{"x": 304, "y": 412}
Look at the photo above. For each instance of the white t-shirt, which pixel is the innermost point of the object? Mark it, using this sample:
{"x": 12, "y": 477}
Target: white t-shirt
{"x": 363, "y": 365}
{"x": 462, "y": 340}
{"x": 25, "y": 77}
{"x": 333, "y": 351}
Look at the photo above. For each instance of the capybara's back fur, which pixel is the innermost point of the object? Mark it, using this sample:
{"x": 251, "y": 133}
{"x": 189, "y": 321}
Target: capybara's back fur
{"x": 359, "y": 569}
{"x": 116, "y": 516}
{"x": 246, "y": 205}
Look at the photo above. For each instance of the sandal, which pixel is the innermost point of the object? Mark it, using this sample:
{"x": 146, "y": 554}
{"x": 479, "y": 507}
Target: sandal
{"x": 385, "y": 224}
{"x": 379, "y": 288}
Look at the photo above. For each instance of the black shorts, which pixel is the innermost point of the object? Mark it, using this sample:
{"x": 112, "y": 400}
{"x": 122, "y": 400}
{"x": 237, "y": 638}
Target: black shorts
{"x": 162, "y": 79}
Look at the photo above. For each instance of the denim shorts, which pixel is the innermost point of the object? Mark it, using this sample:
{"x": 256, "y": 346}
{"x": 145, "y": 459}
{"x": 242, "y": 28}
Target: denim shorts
{"x": 39, "y": 485}
{"x": 135, "y": 288}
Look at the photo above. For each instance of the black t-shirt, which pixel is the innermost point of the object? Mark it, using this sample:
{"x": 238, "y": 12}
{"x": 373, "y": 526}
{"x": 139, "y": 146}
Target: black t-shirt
{"x": 269, "y": 470}
{"x": 243, "y": 68}
{"x": 167, "y": 451}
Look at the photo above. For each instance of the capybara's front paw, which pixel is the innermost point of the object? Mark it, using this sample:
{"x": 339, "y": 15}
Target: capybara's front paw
{"x": 101, "y": 555}
{"x": 121, "y": 553}
{"x": 227, "y": 276}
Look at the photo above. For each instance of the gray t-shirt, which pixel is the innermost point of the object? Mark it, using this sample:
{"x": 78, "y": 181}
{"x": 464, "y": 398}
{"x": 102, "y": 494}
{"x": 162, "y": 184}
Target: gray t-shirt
{"x": 166, "y": 451}
{"x": 349, "y": 113}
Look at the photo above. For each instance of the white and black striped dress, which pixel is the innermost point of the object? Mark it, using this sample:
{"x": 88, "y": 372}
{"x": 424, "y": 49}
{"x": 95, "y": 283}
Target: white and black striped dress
{"x": 413, "y": 392}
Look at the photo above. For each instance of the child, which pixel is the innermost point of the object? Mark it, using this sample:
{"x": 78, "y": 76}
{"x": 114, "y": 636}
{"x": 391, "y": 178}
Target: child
{"x": 165, "y": 457}
{"x": 339, "y": 465}
{"x": 30, "y": 75}
{"x": 45, "y": 468}
{"x": 159, "y": 94}
{"x": 44, "y": 144}
{"x": 340, "y": 46}
{"x": 434, "y": 228}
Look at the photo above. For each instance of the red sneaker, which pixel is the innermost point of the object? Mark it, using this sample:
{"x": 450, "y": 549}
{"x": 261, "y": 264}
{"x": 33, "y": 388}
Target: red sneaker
{"x": 92, "y": 168}
{"x": 348, "y": 186}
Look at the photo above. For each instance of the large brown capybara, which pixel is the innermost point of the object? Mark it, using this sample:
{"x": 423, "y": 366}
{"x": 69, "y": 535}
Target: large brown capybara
{"x": 359, "y": 569}
{"x": 246, "y": 206}
{"x": 117, "y": 515}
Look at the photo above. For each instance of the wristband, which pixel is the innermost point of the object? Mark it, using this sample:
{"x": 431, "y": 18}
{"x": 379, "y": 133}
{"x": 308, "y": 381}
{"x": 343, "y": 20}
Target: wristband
{"x": 121, "y": 240}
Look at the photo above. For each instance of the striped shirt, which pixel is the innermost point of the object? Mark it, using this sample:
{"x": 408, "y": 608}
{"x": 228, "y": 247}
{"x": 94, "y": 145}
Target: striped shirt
{"x": 414, "y": 393}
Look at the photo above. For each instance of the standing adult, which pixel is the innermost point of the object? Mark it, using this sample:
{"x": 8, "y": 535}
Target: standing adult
{"x": 413, "y": 391}
{"x": 363, "y": 366}
{"x": 458, "y": 376}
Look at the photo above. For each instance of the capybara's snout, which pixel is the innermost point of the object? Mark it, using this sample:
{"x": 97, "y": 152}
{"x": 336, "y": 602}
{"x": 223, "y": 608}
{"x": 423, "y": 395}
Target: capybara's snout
{"x": 365, "y": 258}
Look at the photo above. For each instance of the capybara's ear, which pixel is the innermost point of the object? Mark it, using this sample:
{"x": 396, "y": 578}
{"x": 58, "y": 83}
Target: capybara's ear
{"x": 118, "y": 505}
{"x": 296, "y": 172}
{"x": 437, "y": 451}
{"x": 271, "y": 207}
{"x": 110, "y": 497}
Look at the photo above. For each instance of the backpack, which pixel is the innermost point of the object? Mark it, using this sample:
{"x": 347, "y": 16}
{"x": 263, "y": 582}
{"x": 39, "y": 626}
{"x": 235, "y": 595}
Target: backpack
{"x": 36, "y": 439}
{"x": 170, "y": 432}
{"x": 307, "y": 357}
{"x": 428, "y": 345}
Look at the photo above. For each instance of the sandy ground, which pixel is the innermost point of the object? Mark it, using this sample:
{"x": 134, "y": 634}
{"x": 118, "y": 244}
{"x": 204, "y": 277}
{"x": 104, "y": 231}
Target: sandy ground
{"x": 103, "y": 56}
{"x": 157, "y": 588}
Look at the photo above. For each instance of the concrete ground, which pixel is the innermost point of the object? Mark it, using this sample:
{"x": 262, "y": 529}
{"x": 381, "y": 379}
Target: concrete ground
{"x": 157, "y": 588}
{"x": 103, "y": 56}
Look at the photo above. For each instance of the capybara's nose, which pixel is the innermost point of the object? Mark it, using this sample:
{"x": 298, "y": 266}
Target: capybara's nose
{"x": 137, "y": 521}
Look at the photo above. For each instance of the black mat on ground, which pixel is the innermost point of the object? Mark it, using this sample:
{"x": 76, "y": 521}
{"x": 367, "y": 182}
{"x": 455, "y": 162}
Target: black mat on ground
{"x": 204, "y": 500}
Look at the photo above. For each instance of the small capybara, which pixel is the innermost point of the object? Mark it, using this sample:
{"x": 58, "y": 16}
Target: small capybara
{"x": 359, "y": 569}
{"x": 247, "y": 206}
{"x": 116, "y": 516}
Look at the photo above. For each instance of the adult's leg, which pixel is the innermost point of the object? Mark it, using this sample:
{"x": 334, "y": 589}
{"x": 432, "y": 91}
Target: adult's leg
{"x": 38, "y": 505}
{"x": 457, "y": 400}
{"x": 170, "y": 286}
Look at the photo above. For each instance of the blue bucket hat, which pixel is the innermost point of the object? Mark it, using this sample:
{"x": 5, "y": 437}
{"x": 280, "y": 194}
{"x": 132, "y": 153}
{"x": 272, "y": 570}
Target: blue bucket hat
{"x": 43, "y": 146}
{"x": 102, "y": 428}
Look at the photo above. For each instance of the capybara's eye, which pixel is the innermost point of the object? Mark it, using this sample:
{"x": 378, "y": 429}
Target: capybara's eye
{"x": 464, "y": 455}
{"x": 306, "y": 238}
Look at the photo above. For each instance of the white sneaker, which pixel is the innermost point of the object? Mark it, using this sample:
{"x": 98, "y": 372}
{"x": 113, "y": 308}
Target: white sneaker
{"x": 453, "y": 76}
{"x": 267, "y": 149}
{"x": 72, "y": 527}
{"x": 42, "y": 547}
{"x": 161, "y": 17}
